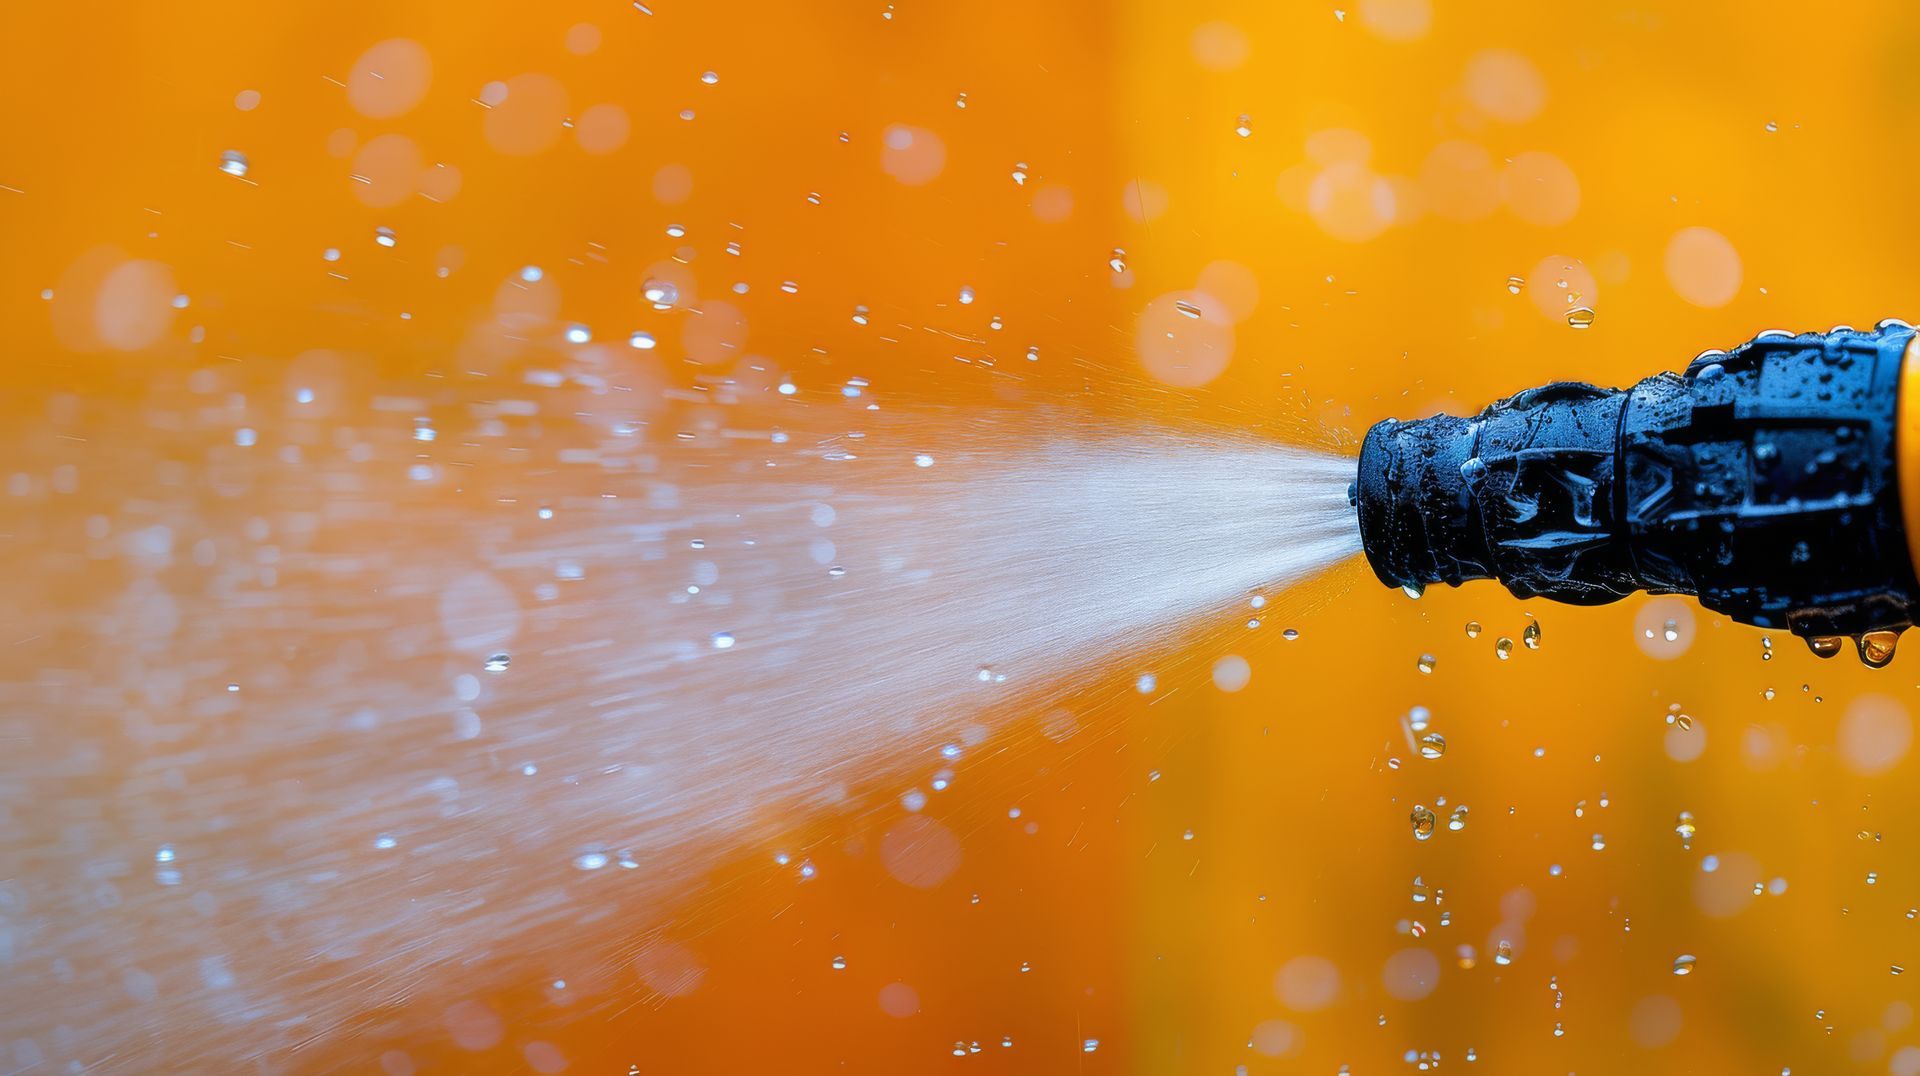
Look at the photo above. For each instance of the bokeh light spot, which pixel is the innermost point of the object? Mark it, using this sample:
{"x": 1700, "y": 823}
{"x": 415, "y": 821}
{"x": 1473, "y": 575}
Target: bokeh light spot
{"x": 920, "y": 852}
{"x": 1307, "y": 983}
{"x": 389, "y": 79}
{"x": 1505, "y": 85}
{"x": 1703, "y": 267}
{"x": 1411, "y": 974}
{"x": 912, "y": 155}
{"x": 1220, "y": 46}
{"x": 1350, "y": 202}
{"x": 582, "y": 38}
{"x": 672, "y": 184}
{"x": 386, "y": 171}
{"x": 1874, "y": 734}
{"x": 1185, "y": 338}
{"x": 899, "y": 1000}
{"x": 1397, "y": 20}
{"x": 1274, "y": 1038}
{"x": 602, "y": 128}
{"x": 473, "y": 1026}
{"x": 1541, "y": 189}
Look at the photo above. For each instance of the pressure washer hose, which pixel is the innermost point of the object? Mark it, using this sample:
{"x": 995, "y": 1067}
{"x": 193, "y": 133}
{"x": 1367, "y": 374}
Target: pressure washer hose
{"x": 1779, "y": 482}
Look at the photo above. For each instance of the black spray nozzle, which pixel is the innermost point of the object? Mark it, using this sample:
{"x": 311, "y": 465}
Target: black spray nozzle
{"x": 1763, "y": 480}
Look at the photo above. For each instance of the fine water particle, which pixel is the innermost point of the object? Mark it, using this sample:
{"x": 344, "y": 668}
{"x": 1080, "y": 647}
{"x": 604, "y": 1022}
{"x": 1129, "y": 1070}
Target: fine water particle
{"x": 1433, "y": 745}
{"x": 233, "y": 162}
{"x": 498, "y": 663}
{"x": 1423, "y": 822}
{"x": 661, "y": 293}
{"x": 1684, "y": 826}
{"x": 1145, "y": 684}
{"x": 1683, "y": 964}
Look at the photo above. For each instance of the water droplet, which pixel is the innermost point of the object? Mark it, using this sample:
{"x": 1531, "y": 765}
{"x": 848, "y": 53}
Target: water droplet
{"x": 532, "y": 274}
{"x": 384, "y": 236}
{"x": 642, "y": 341}
{"x": 1290, "y": 634}
{"x": 1684, "y": 826}
{"x": 1186, "y": 308}
{"x": 592, "y": 861}
{"x": 1425, "y": 664}
{"x": 1423, "y": 821}
{"x": 1433, "y": 745}
{"x": 1825, "y": 646}
{"x": 1418, "y": 718}
{"x": 1473, "y": 629}
{"x": 839, "y": 963}
{"x": 1244, "y": 126}
{"x": 1670, "y": 631}
{"x": 1088, "y": 1046}
{"x": 1020, "y": 174}
{"x": 923, "y": 460}
{"x": 1580, "y": 317}
{"x": 723, "y": 640}
{"x": 1772, "y": 127}
{"x": 1683, "y": 964}
{"x": 1145, "y": 684}
{"x": 1599, "y": 843}
{"x": 1503, "y": 648}
{"x": 1531, "y": 635}
{"x": 1118, "y": 263}
{"x": 1514, "y": 284}
{"x": 1876, "y": 648}
{"x": 233, "y": 162}
{"x": 661, "y": 293}
{"x": 710, "y": 78}
{"x": 385, "y": 840}
{"x": 578, "y": 334}
{"x": 1457, "y": 821}
{"x": 498, "y": 663}
{"x": 1503, "y": 953}
{"x": 966, "y": 295}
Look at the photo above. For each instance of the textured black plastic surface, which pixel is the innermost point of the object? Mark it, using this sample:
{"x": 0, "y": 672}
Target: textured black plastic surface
{"x": 1761, "y": 479}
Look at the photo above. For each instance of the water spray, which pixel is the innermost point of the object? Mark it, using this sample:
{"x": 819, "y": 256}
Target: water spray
{"x": 1777, "y": 482}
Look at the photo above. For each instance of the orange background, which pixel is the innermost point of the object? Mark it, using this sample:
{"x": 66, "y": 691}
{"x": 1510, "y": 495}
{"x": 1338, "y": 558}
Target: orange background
{"x": 1378, "y": 269}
